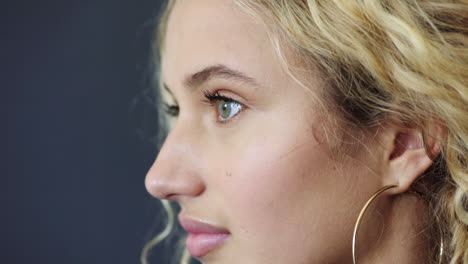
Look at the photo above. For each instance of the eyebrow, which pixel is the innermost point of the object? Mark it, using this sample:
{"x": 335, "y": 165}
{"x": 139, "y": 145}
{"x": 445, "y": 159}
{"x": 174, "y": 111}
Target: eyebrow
{"x": 215, "y": 71}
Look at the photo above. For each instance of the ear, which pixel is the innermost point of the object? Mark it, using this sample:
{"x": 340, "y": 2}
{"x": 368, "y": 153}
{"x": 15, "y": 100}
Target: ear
{"x": 409, "y": 156}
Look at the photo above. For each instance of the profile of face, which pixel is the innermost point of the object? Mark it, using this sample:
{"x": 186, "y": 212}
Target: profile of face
{"x": 244, "y": 157}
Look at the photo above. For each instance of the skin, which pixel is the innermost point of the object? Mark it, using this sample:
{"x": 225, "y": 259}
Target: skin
{"x": 265, "y": 175}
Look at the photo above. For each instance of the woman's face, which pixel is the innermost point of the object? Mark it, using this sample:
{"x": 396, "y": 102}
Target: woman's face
{"x": 251, "y": 165}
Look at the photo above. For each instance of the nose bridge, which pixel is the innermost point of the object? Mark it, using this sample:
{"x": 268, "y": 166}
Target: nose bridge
{"x": 174, "y": 174}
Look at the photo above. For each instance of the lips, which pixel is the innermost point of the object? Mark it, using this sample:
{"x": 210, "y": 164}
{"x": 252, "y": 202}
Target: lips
{"x": 203, "y": 237}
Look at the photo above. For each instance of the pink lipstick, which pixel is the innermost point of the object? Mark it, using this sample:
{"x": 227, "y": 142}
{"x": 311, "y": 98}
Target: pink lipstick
{"x": 203, "y": 237}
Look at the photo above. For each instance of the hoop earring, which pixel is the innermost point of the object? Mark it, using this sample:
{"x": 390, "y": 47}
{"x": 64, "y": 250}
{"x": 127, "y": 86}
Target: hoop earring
{"x": 361, "y": 214}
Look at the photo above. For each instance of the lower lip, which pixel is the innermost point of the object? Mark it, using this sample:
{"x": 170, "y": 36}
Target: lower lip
{"x": 199, "y": 245}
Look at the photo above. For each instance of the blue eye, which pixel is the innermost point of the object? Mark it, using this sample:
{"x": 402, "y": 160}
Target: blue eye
{"x": 228, "y": 109}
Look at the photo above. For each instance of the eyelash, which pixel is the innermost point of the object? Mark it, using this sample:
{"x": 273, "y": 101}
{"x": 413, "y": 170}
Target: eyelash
{"x": 210, "y": 98}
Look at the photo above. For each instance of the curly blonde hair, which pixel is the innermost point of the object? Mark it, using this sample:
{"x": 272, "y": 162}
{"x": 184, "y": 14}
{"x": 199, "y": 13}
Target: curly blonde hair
{"x": 404, "y": 60}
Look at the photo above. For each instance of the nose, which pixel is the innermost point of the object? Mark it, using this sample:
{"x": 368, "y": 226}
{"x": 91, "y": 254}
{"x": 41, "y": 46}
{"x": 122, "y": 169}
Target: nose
{"x": 174, "y": 174}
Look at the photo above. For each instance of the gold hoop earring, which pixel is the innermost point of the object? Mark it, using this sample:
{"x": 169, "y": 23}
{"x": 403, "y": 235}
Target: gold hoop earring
{"x": 361, "y": 214}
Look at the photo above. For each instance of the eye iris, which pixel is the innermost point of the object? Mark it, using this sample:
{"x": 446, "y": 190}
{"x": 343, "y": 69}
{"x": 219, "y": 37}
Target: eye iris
{"x": 225, "y": 109}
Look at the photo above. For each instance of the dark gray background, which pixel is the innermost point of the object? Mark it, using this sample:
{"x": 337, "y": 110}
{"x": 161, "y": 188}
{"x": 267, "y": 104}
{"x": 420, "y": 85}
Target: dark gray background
{"x": 73, "y": 191}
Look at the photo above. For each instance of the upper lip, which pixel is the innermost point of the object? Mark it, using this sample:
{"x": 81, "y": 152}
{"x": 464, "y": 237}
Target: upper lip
{"x": 200, "y": 226}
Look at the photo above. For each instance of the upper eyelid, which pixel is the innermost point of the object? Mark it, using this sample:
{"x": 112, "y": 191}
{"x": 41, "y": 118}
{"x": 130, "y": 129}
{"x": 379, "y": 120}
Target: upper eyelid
{"x": 215, "y": 96}
{"x": 208, "y": 97}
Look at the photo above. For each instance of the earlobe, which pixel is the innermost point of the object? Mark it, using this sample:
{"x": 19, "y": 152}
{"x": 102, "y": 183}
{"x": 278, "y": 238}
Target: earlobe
{"x": 409, "y": 158}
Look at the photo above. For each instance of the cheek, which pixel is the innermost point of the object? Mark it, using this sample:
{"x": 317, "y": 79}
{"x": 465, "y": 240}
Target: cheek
{"x": 278, "y": 187}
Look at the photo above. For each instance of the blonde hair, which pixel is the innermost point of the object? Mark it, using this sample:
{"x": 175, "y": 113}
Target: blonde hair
{"x": 401, "y": 60}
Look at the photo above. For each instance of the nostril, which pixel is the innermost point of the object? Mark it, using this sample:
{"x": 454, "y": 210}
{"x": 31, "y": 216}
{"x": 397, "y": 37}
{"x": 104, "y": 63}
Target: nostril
{"x": 171, "y": 196}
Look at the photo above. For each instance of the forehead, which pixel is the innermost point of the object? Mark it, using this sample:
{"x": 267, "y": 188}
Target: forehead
{"x": 201, "y": 33}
